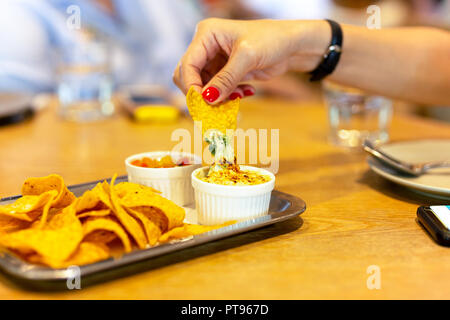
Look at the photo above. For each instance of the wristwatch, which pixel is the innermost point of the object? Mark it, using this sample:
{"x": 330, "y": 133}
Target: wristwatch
{"x": 331, "y": 56}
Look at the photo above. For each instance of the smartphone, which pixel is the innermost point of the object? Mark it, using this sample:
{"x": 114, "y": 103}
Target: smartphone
{"x": 436, "y": 220}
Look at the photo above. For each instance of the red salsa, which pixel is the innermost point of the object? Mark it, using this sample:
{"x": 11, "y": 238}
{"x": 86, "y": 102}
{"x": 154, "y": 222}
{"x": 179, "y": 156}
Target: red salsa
{"x": 164, "y": 162}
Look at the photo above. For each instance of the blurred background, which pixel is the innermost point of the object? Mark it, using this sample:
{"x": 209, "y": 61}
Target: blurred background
{"x": 99, "y": 55}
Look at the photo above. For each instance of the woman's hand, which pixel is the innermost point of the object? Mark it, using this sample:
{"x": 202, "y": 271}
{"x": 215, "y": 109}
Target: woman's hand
{"x": 223, "y": 53}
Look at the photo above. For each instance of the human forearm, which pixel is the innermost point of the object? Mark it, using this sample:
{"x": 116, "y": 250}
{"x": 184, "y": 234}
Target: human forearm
{"x": 407, "y": 63}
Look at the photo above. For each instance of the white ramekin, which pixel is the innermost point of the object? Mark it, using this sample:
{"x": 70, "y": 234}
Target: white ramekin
{"x": 216, "y": 204}
{"x": 174, "y": 183}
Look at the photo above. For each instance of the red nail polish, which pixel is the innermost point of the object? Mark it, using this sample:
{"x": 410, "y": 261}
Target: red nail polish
{"x": 235, "y": 95}
{"x": 248, "y": 92}
{"x": 211, "y": 94}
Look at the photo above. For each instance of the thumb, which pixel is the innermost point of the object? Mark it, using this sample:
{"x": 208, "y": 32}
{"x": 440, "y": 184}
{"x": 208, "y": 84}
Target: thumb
{"x": 227, "y": 79}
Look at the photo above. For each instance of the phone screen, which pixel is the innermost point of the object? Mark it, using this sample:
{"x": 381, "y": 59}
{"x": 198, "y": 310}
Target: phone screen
{"x": 443, "y": 214}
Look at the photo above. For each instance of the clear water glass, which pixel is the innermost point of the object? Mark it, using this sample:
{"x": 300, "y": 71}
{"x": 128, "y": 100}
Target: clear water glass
{"x": 85, "y": 85}
{"x": 355, "y": 116}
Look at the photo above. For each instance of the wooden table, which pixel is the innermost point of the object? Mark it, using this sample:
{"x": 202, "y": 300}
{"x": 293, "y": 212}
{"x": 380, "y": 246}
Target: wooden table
{"x": 354, "y": 218}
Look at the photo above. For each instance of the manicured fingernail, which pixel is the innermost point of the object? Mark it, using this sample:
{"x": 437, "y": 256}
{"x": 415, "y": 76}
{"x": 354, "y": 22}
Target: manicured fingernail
{"x": 248, "y": 92}
{"x": 235, "y": 95}
{"x": 211, "y": 94}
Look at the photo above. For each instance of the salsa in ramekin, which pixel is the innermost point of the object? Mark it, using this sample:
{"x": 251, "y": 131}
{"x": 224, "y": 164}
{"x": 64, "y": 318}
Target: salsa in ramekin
{"x": 163, "y": 162}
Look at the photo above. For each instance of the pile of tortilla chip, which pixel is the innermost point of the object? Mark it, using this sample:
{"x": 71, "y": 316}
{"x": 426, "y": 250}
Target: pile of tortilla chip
{"x": 48, "y": 225}
{"x": 222, "y": 116}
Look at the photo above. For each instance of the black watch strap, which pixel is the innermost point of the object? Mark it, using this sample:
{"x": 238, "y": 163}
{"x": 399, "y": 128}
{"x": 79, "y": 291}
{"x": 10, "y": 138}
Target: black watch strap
{"x": 331, "y": 57}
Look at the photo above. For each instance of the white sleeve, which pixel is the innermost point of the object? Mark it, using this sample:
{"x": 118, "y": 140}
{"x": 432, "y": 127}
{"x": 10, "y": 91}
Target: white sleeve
{"x": 24, "y": 49}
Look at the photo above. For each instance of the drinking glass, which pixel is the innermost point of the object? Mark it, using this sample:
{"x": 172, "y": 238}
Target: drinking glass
{"x": 354, "y": 116}
{"x": 85, "y": 83}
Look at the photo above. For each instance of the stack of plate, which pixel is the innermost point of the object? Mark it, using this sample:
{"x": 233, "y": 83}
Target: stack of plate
{"x": 435, "y": 182}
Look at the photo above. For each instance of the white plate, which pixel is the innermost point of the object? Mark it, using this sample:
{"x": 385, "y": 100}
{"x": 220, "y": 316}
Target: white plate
{"x": 436, "y": 182}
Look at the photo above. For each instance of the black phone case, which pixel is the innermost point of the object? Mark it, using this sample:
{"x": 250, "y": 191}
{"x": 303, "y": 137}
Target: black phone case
{"x": 435, "y": 228}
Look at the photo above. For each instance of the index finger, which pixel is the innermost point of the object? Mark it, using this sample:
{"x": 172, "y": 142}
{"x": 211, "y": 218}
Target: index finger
{"x": 197, "y": 55}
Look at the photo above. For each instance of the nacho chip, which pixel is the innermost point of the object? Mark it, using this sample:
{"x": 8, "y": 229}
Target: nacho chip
{"x": 188, "y": 230}
{"x": 49, "y": 213}
{"x": 94, "y": 213}
{"x": 88, "y": 252}
{"x": 124, "y": 188}
{"x": 101, "y": 236}
{"x": 94, "y": 200}
{"x": 36, "y": 186}
{"x": 102, "y": 191}
{"x": 88, "y": 201}
{"x": 221, "y": 117}
{"x": 128, "y": 222}
{"x": 139, "y": 196}
{"x": 57, "y": 241}
{"x": 152, "y": 230}
{"x": 45, "y": 212}
{"x": 107, "y": 224}
{"x": 8, "y": 224}
{"x": 155, "y": 215}
{"x": 28, "y": 207}
{"x": 174, "y": 214}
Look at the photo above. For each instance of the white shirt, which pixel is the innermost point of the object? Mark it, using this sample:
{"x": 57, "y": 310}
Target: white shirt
{"x": 148, "y": 36}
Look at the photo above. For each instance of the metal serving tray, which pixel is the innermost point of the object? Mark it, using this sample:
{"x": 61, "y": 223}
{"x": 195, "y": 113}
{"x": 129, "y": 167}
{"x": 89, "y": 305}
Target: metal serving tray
{"x": 282, "y": 207}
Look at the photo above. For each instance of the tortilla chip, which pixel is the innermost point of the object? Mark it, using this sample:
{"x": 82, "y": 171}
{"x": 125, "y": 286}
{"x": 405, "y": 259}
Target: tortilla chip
{"x": 57, "y": 241}
{"x": 44, "y": 215}
{"x": 174, "y": 213}
{"x": 152, "y": 230}
{"x": 221, "y": 116}
{"x": 128, "y": 222}
{"x": 88, "y": 252}
{"x": 108, "y": 224}
{"x": 94, "y": 213}
{"x": 47, "y": 214}
{"x": 124, "y": 188}
{"x": 100, "y": 236}
{"x": 88, "y": 201}
{"x": 27, "y": 208}
{"x": 155, "y": 215}
{"x": 102, "y": 192}
{"x": 8, "y": 224}
{"x": 188, "y": 230}
{"x": 37, "y": 186}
